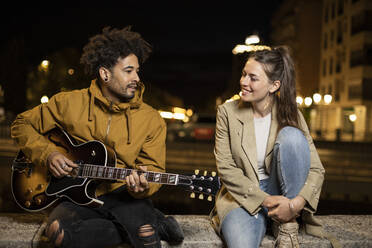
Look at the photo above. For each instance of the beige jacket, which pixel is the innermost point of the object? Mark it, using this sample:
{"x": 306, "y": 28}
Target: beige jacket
{"x": 236, "y": 159}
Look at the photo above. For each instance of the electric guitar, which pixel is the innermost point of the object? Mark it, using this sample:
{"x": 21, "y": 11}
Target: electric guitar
{"x": 35, "y": 189}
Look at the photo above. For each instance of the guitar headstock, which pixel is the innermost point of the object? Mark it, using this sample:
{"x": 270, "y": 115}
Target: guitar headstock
{"x": 203, "y": 184}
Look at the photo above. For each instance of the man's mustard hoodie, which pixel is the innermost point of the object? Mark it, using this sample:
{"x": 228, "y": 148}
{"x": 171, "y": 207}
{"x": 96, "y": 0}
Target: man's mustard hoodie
{"x": 134, "y": 130}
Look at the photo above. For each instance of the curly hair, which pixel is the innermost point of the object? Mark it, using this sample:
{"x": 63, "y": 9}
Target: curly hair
{"x": 106, "y": 48}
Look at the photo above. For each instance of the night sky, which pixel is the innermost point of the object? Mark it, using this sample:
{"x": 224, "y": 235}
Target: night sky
{"x": 192, "y": 40}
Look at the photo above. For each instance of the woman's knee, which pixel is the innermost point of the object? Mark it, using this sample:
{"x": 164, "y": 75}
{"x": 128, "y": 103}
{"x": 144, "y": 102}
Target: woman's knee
{"x": 291, "y": 137}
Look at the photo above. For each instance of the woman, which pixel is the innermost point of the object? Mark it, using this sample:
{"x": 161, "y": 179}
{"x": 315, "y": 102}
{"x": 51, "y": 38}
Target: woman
{"x": 266, "y": 157}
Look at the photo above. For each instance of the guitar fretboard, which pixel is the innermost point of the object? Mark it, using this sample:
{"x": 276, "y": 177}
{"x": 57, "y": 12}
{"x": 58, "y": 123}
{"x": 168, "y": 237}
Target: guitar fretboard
{"x": 113, "y": 173}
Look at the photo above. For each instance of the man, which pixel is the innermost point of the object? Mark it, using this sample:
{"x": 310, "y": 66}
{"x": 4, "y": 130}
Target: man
{"x": 111, "y": 110}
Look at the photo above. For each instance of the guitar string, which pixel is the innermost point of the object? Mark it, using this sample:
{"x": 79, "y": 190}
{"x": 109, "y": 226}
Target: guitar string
{"x": 152, "y": 176}
{"x": 90, "y": 172}
{"x": 148, "y": 173}
{"x": 113, "y": 166}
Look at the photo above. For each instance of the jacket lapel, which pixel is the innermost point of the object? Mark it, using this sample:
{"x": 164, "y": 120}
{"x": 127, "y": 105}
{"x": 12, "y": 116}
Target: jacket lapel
{"x": 245, "y": 115}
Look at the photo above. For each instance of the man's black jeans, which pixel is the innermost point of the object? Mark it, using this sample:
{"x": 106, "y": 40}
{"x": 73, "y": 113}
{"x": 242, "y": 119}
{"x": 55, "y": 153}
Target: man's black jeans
{"x": 117, "y": 221}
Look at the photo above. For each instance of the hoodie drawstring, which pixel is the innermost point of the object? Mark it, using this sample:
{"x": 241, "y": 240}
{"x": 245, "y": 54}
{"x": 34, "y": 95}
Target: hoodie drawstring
{"x": 90, "y": 116}
{"x": 129, "y": 125}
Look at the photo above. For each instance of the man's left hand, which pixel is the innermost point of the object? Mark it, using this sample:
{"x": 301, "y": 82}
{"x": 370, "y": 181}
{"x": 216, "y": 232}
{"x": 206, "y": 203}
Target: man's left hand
{"x": 137, "y": 183}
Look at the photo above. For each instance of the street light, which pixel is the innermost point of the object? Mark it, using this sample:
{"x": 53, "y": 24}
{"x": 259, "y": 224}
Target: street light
{"x": 352, "y": 117}
{"x": 189, "y": 112}
{"x": 250, "y": 45}
{"x": 299, "y": 100}
{"x": 45, "y": 64}
{"x": 44, "y": 99}
{"x": 249, "y": 48}
{"x": 327, "y": 99}
{"x": 252, "y": 39}
{"x": 317, "y": 98}
{"x": 70, "y": 71}
{"x": 308, "y": 101}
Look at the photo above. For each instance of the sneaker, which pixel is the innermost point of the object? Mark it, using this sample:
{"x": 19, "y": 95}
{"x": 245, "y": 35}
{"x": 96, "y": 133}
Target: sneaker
{"x": 171, "y": 231}
{"x": 286, "y": 235}
{"x": 168, "y": 228}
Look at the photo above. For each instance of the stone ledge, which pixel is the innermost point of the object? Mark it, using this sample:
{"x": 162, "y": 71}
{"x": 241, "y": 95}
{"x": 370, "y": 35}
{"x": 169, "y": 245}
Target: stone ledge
{"x": 25, "y": 230}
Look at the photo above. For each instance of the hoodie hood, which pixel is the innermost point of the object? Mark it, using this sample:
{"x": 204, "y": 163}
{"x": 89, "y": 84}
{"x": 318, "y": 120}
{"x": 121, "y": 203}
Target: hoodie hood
{"x": 97, "y": 99}
{"x": 135, "y": 102}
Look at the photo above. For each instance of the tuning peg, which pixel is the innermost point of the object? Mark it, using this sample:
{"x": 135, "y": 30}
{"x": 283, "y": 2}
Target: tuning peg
{"x": 201, "y": 197}
{"x": 192, "y": 195}
{"x": 209, "y": 198}
{"x": 214, "y": 173}
{"x": 196, "y": 172}
{"x": 205, "y": 173}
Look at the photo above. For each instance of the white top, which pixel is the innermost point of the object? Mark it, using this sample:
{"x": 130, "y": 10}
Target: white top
{"x": 262, "y": 129}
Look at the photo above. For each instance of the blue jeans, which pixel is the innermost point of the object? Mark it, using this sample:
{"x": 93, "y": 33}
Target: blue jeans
{"x": 289, "y": 169}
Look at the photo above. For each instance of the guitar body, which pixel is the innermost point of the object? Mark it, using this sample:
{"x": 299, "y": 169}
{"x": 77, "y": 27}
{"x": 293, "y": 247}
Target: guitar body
{"x": 35, "y": 189}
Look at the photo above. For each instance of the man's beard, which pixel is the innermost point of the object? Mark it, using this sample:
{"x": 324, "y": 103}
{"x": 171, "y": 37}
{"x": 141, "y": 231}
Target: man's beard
{"x": 124, "y": 97}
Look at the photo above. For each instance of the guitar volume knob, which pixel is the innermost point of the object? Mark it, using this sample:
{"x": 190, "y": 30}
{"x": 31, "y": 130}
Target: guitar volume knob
{"x": 39, "y": 201}
{"x": 200, "y": 188}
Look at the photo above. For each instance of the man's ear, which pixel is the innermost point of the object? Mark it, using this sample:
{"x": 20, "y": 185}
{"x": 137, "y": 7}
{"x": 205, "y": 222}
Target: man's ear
{"x": 104, "y": 73}
{"x": 274, "y": 86}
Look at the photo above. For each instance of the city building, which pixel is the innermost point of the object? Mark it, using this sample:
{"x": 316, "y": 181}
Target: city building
{"x": 332, "y": 45}
{"x": 297, "y": 24}
{"x": 345, "y": 71}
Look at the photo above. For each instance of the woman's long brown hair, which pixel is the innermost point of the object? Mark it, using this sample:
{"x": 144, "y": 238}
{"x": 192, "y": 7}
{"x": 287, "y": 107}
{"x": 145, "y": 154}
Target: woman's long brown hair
{"x": 278, "y": 65}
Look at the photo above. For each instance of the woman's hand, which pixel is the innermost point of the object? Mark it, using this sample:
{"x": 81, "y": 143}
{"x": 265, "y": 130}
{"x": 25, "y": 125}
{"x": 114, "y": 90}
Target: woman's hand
{"x": 282, "y": 209}
{"x": 137, "y": 183}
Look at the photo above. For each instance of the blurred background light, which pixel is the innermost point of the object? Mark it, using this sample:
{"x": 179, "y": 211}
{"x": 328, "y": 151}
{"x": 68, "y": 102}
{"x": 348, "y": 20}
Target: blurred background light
{"x": 317, "y": 98}
{"x": 45, "y": 64}
{"x": 299, "y": 100}
{"x": 327, "y": 99}
{"x": 352, "y": 117}
{"x": 252, "y": 39}
{"x": 308, "y": 101}
{"x": 44, "y": 99}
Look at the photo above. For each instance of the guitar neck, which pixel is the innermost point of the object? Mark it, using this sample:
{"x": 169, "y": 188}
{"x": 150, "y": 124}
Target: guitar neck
{"x": 114, "y": 173}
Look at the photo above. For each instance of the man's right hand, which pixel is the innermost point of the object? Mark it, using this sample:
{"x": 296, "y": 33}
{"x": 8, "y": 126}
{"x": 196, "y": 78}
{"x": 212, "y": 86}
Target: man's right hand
{"x": 59, "y": 165}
